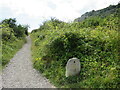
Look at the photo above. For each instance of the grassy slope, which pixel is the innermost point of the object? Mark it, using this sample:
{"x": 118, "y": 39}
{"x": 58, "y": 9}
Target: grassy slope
{"x": 9, "y": 49}
{"x": 12, "y": 39}
{"x": 95, "y": 46}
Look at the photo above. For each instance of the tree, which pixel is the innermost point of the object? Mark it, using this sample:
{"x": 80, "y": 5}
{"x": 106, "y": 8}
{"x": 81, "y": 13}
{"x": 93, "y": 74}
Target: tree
{"x": 12, "y": 24}
{"x": 26, "y": 29}
{"x": 17, "y": 30}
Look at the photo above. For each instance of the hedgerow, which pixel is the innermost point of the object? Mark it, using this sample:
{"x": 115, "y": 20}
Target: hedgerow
{"x": 12, "y": 39}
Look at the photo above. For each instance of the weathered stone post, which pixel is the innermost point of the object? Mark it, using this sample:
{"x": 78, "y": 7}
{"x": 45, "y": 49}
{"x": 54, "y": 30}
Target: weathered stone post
{"x": 73, "y": 67}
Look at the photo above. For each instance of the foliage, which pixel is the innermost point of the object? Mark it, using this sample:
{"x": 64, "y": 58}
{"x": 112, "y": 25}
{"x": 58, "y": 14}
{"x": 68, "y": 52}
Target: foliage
{"x": 13, "y": 37}
{"x": 94, "y": 41}
{"x": 103, "y": 13}
{"x": 18, "y": 30}
{"x": 9, "y": 49}
{"x": 0, "y": 50}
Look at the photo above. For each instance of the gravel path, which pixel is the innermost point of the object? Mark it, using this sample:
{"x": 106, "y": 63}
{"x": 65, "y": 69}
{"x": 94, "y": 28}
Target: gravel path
{"x": 0, "y": 81}
{"x": 19, "y": 73}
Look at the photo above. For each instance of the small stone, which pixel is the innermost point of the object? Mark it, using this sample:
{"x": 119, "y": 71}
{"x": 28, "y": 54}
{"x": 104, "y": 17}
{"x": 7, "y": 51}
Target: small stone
{"x": 73, "y": 67}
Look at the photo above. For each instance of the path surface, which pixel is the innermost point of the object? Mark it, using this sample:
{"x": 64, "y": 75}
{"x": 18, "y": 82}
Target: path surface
{"x": 19, "y": 73}
{"x": 0, "y": 81}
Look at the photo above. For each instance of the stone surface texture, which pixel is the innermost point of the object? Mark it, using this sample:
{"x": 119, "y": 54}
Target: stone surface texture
{"x": 72, "y": 67}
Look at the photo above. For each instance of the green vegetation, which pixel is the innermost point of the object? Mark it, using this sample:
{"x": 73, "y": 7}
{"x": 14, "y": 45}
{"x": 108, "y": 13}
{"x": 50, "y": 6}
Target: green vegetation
{"x": 13, "y": 37}
{"x": 0, "y": 51}
{"x": 101, "y": 13}
{"x": 94, "y": 41}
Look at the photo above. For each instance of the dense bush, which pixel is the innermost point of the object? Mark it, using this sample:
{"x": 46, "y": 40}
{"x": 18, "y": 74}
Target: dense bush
{"x": 94, "y": 42}
{"x": 12, "y": 38}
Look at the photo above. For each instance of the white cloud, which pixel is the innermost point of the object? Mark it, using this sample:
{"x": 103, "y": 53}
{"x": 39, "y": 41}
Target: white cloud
{"x": 65, "y": 10}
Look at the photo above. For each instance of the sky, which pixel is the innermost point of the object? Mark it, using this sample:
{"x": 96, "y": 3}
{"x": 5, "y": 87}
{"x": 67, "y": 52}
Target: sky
{"x": 35, "y": 12}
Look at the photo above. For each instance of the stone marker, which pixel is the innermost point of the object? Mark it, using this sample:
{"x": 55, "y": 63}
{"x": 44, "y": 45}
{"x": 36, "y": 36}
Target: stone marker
{"x": 72, "y": 67}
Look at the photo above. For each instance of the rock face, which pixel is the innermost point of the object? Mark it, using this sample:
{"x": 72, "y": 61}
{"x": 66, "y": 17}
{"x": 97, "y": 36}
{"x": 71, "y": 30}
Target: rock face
{"x": 72, "y": 67}
{"x": 102, "y": 12}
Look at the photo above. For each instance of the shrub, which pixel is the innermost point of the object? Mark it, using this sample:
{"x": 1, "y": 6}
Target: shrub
{"x": 97, "y": 49}
{"x": 13, "y": 37}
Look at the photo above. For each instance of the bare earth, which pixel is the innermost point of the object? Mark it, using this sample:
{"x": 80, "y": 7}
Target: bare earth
{"x": 19, "y": 73}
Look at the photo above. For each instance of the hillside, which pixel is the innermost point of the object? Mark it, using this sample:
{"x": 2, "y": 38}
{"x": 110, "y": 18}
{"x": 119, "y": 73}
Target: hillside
{"x": 44, "y": 57}
{"x": 95, "y": 41}
{"x": 102, "y": 13}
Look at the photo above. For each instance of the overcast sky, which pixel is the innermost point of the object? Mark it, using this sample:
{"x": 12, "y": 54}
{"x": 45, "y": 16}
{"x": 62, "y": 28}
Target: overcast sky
{"x": 34, "y": 12}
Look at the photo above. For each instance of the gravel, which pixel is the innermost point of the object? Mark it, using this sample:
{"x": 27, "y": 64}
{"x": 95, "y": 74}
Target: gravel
{"x": 19, "y": 73}
{"x": 0, "y": 81}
